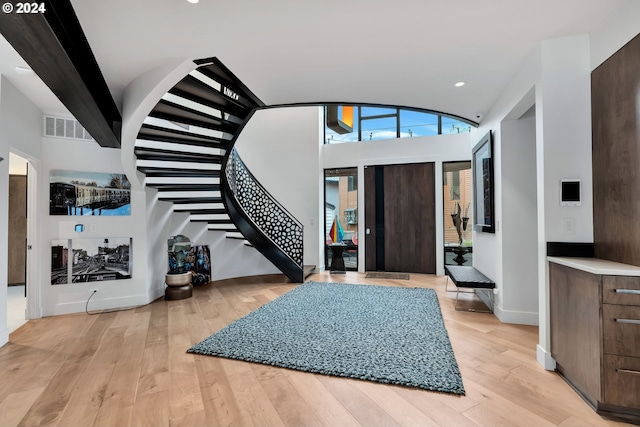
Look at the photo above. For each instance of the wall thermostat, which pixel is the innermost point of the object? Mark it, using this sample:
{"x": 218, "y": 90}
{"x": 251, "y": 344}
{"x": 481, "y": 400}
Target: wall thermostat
{"x": 570, "y": 192}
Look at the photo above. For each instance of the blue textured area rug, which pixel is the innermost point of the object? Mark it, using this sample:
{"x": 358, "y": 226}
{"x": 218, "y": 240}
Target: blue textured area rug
{"x": 385, "y": 334}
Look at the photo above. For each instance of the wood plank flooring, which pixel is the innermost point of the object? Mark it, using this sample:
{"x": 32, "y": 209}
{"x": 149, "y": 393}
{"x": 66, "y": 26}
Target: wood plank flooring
{"x": 130, "y": 368}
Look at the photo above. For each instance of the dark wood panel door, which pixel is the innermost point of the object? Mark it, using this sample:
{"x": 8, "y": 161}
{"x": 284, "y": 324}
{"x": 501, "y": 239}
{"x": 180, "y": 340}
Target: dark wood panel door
{"x": 400, "y": 218}
{"x": 370, "y": 255}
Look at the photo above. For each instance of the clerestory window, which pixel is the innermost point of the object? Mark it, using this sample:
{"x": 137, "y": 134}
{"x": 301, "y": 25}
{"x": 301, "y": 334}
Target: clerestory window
{"x": 370, "y": 123}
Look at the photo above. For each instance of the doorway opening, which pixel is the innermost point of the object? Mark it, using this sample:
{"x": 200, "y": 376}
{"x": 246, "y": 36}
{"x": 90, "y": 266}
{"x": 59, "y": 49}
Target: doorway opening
{"x": 17, "y": 242}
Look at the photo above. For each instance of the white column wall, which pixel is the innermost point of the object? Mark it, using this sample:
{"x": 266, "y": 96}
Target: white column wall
{"x": 20, "y": 132}
{"x": 558, "y": 71}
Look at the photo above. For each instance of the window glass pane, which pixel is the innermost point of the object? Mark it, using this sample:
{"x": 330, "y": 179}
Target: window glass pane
{"x": 341, "y": 215}
{"x": 414, "y": 123}
{"x": 353, "y": 183}
{"x": 458, "y": 229}
{"x": 450, "y": 125}
{"x": 377, "y": 129}
{"x": 376, "y": 111}
{"x": 454, "y": 188}
{"x": 332, "y": 137}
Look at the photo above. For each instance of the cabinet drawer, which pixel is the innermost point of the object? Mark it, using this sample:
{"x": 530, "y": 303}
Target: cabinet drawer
{"x": 622, "y": 381}
{"x": 621, "y": 329}
{"x": 623, "y": 290}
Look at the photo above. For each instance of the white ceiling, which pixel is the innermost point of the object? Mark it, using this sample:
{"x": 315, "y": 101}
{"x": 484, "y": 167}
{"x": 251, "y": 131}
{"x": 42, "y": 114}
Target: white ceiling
{"x": 401, "y": 52}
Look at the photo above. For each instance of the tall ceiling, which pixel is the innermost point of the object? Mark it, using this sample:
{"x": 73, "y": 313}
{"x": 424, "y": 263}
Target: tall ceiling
{"x": 402, "y": 52}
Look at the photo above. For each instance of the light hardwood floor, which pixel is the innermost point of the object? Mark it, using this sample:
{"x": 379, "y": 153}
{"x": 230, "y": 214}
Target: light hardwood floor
{"x": 130, "y": 368}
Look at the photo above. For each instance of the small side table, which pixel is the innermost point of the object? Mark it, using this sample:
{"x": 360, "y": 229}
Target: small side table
{"x": 337, "y": 261}
{"x": 178, "y": 286}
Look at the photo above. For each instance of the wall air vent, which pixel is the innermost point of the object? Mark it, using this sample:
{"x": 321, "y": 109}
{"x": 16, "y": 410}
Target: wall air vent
{"x": 59, "y": 127}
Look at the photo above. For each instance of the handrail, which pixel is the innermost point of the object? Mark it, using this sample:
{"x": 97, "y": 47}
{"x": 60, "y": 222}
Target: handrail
{"x": 263, "y": 210}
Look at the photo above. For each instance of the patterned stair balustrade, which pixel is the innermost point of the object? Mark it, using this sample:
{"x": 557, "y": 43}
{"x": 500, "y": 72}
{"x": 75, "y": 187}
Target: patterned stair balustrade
{"x": 264, "y": 214}
{"x": 183, "y": 147}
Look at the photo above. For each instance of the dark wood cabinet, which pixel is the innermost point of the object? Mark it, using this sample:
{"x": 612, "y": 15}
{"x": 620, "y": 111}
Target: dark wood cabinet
{"x": 595, "y": 337}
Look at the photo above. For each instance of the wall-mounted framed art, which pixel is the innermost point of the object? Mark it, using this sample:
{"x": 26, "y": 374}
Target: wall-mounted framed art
{"x": 90, "y": 260}
{"x": 483, "y": 197}
{"x": 89, "y": 193}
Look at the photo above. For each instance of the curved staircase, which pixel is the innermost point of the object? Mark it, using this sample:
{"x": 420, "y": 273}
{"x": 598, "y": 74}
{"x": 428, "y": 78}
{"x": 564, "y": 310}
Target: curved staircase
{"x": 185, "y": 149}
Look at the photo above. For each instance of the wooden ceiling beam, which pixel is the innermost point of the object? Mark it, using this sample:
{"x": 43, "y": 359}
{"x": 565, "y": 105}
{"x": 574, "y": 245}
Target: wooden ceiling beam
{"x": 55, "y": 47}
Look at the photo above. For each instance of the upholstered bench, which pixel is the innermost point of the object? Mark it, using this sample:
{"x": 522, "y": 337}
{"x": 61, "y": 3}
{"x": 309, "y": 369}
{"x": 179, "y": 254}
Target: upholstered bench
{"x": 464, "y": 276}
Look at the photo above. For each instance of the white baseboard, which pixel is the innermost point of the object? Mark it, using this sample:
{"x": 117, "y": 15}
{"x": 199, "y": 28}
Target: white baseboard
{"x": 544, "y": 359}
{"x": 517, "y": 317}
{"x": 99, "y": 304}
{"x": 4, "y": 336}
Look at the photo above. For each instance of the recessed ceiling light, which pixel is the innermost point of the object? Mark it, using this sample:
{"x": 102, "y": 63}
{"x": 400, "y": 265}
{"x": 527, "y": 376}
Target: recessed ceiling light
{"x": 193, "y": 1}
{"x": 23, "y": 70}
{"x": 460, "y": 84}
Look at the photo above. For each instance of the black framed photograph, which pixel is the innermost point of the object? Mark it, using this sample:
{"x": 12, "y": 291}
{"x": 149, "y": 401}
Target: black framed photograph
{"x": 89, "y": 193}
{"x": 482, "y": 164}
{"x": 90, "y": 260}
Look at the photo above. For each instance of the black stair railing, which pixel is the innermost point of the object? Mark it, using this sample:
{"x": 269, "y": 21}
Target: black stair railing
{"x": 269, "y": 227}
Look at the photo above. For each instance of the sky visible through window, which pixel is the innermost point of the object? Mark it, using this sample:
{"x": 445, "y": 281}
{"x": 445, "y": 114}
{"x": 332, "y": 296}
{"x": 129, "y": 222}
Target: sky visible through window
{"x": 380, "y": 123}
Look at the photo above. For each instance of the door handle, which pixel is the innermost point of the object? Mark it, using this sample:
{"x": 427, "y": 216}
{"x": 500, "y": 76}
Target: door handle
{"x": 368, "y": 231}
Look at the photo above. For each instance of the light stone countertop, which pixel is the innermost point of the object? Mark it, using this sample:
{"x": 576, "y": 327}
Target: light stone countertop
{"x": 597, "y": 266}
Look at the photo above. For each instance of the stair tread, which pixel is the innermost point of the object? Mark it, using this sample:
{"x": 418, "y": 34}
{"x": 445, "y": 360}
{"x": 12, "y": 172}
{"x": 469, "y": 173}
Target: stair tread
{"x": 178, "y": 113}
{"x": 185, "y": 187}
{"x": 205, "y": 211}
{"x": 188, "y": 199}
{"x": 176, "y": 156}
{"x": 199, "y": 200}
{"x": 218, "y": 72}
{"x": 158, "y": 133}
{"x": 152, "y": 172}
{"x": 198, "y": 91}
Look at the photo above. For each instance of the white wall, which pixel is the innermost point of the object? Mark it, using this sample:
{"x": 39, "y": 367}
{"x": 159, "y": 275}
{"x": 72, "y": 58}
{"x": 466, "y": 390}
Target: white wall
{"x": 229, "y": 257}
{"x": 437, "y": 149}
{"x": 558, "y": 71}
{"x": 60, "y": 299}
{"x": 519, "y": 221}
{"x": 20, "y": 132}
{"x": 280, "y": 147}
{"x": 614, "y": 32}
{"x": 558, "y": 75}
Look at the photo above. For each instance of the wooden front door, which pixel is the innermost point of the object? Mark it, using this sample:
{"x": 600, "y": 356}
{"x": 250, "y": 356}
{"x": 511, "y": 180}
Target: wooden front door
{"x": 400, "y": 218}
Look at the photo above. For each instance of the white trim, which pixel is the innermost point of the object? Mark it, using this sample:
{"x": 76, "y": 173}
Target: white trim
{"x": 96, "y": 304}
{"x": 33, "y": 279}
{"x": 517, "y": 317}
{"x": 544, "y": 359}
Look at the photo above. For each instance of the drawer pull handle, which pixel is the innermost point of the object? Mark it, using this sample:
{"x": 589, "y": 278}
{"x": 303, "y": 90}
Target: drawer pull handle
{"x": 627, "y": 371}
{"x": 632, "y": 321}
{"x": 627, "y": 291}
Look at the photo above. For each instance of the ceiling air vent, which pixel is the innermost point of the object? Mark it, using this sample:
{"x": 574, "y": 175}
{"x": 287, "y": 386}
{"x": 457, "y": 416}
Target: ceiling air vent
{"x": 59, "y": 127}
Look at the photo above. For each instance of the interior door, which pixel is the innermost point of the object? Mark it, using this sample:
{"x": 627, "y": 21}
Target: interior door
{"x": 400, "y": 218}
